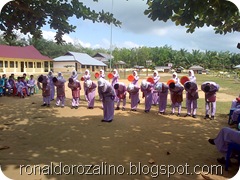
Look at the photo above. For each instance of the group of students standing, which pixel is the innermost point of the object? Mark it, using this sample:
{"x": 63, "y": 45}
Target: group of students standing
{"x": 154, "y": 92}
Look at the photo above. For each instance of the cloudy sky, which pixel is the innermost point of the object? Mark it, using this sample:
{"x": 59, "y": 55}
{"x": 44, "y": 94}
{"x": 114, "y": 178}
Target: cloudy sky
{"x": 137, "y": 30}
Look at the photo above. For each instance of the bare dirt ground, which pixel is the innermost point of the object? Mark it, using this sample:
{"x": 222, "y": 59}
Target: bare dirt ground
{"x": 34, "y": 135}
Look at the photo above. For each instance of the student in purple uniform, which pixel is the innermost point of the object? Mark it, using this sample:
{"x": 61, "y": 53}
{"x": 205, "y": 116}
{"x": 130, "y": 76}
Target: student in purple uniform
{"x": 155, "y": 97}
{"x": 147, "y": 89}
{"x": 60, "y": 87}
{"x": 176, "y": 91}
{"x": 52, "y": 87}
{"x": 210, "y": 89}
{"x": 90, "y": 93}
{"x": 115, "y": 77}
{"x": 162, "y": 90}
{"x": 192, "y": 96}
{"x": 45, "y": 89}
{"x": 107, "y": 95}
{"x": 134, "y": 92}
{"x": 86, "y": 77}
{"x": 75, "y": 86}
{"x": 121, "y": 91}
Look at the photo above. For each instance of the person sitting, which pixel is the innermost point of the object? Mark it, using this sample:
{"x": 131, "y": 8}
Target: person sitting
{"x": 236, "y": 102}
{"x": 225, "y": 136}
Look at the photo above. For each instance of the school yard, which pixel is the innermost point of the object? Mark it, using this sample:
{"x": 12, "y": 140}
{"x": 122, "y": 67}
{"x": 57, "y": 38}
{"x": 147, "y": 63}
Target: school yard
{"x": 136, "y": 145}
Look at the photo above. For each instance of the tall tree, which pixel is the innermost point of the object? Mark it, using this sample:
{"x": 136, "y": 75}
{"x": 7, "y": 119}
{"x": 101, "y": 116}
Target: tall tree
{"x": 223, "y": 15}
{"x": 29, "y": 16}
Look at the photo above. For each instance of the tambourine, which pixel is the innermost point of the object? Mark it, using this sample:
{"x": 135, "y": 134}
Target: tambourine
{"x": 184, "y": 79}
{"x": 150, "y": 79}
{"x": 82, "y": 78}
{"x": 130, "y": 77}
{"x": 96, "y": 75}
{"x": 170, "y": 81}
{"x": 110, "y": 75}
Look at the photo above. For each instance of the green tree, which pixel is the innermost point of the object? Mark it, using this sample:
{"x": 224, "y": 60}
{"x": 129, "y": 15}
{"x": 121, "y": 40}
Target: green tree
{"x": 223, "y": 15}
{"x": 29, "y": 16}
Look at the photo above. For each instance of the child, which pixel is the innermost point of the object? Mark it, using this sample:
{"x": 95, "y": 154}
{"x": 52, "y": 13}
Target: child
{"x": 115, "y": 77}
{"x": 175, "y": 78}
{"x": 120, "y": 90}
{"x": 107, "y": 95}
{"x": 31, "y": 85}
{"x": 45, "y": 89}
{"x": 102, "y": 74}
{"x": 133, "y": 91}
{"x": 162, "y": 90}
{"x": 86, "y": 77}
{"x": 52, "y": 87}
{"x": 2, "y": 84}
{"x": 20, "y": 86}
{"x": 155, "y": 97}
{"x": 176, "y": 97}
{"x": 90, "y": 93}
{"x": 74, "y": 75}
{"x": 60, "y": 85}
{"x": 210, "y": 89}
{"x": 192, "y": 96}
{"x": 146, "y": 89}
{"x": 75, "y": 86}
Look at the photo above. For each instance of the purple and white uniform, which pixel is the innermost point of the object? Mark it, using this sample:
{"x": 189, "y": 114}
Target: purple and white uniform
{"x": 155, "y": 97}
{"x": 107, "y": 94}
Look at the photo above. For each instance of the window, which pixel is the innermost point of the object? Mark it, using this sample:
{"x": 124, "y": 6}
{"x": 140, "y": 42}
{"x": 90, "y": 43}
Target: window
{"x": 26, "y": 65}
{"x": 11, "y": 64}
{"x": 30, "y": 64}
{"x": 83, "y": 66}
{"x": 1, "y": 63}
{"x": 97, "y": 67}
{"x": 16, "y": 64}
{"x": 6, "y": 64}
{"x": 39, "y": 65}
{"x": 51, "y": 64}
{"x": 88, "y": 66}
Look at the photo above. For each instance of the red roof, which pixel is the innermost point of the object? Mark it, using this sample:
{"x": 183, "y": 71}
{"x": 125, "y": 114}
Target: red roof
{"x": 26, "y": 52}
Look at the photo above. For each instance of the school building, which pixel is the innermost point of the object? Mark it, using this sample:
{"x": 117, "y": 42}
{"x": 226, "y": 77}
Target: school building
{"x": 77, "y": 61}
{"x": 27, "y": 59}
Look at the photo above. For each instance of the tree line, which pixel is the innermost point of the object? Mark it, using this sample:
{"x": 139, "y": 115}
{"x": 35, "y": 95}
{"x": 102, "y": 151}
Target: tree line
{"x": 160, "y": 56}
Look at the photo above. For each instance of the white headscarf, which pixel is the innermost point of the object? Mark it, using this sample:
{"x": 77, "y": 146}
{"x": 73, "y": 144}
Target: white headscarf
{"x": 155, "y": 71}
{"x": 74, "y": 75}
{"x": 87, "y": 71}
{"x": 192, "y": 78}
{"x": 136, "y": 74}
{"x": 192, "y": 72}
{"x": 102, "y": 83}
{"x": 50, "y": 73}
{"x": 102, "y": 71}
{"x": 116, "y": 72}
{"x": 144, "y": 84}
{"x": 88, "y": 83}
{"x": 130, "y": 87}
{"x": 59, "y": 76}
{"x": 175, "y": 75}
{"x": 158, "y": 87}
